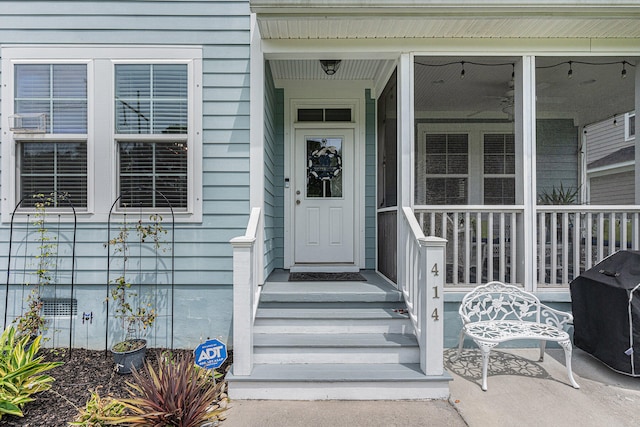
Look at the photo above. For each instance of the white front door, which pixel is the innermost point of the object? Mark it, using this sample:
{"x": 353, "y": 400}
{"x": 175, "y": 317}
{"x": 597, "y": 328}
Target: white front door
{"x": 324, "y": 197}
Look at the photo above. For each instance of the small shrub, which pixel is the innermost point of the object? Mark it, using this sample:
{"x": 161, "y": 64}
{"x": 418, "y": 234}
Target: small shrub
{"x": 98, "y": 411}
{"x": 177, "y": 394}
{"x": 21, "y": 372}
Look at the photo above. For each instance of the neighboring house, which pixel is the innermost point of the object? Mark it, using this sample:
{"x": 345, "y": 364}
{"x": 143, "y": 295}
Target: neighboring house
{"x": 319, "y": 136}
{"x": 611, "y": 161}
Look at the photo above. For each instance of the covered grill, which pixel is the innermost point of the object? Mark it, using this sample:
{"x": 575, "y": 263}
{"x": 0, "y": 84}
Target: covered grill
{"x": 606, "y": 311}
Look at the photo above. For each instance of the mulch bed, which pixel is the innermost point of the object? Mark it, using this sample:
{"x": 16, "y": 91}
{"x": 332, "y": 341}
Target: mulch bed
{"x": 83, "y": 371}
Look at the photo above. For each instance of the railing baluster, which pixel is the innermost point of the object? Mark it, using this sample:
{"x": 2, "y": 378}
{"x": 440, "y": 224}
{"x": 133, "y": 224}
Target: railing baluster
{"x": 612, "y": 233}
{"x": 589, "y": 242}
{"x": 553, "y": 230}
{"x": 467, "y": 247}
{"x": 542, "y": 247}
{"x": 513, "y": 244}
{"x": 635, "y": 231}
{"x": 478, "y": 232}
{"x": 565, "y": 247}
{"x": 623, "y": 232}
{"x": 600, "y": 235}
{"x": 501, "y": 244}
{"x": 456, "y": 247}
{"x": 576, "y": 244}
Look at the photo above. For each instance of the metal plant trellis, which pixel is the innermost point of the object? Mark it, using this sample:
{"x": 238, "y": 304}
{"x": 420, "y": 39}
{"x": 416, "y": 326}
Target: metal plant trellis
{"x": 127, "y": 219}
{"x": 37, "y": 240}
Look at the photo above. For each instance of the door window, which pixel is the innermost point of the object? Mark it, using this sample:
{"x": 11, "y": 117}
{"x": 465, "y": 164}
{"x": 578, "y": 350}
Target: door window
{"x": 324, "y": 167}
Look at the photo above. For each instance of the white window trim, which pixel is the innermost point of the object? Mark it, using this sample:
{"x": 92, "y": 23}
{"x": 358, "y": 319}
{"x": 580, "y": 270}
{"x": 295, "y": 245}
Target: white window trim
{"x": 101, "y": 142}
{"x": 627, "y": 136}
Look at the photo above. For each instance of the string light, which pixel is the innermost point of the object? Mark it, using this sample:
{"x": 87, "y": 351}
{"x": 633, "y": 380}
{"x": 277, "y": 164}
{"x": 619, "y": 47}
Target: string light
{"x": 623, "y": 73}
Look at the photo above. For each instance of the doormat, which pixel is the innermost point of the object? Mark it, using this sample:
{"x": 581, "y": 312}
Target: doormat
{"x": 326, "y": 277}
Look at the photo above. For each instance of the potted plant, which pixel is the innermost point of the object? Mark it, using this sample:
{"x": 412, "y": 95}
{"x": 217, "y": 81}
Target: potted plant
{"x": 135, "y": 312}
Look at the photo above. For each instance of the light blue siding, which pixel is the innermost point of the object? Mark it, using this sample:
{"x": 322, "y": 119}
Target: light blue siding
{"x": 370, "y": 182}
{"x": 203, "y": 264}
{"x": 274, "y": 175}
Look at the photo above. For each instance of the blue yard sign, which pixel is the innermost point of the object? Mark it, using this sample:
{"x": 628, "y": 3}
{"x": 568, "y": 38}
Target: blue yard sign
{"x": 210, "y": 354}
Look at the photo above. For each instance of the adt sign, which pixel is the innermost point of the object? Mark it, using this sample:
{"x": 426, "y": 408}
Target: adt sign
{"x": 211, "y": 354}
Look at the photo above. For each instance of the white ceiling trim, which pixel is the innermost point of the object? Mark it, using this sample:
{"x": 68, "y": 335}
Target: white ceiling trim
{"x": 314, "y": 27}
{"x": 382, "y": 19}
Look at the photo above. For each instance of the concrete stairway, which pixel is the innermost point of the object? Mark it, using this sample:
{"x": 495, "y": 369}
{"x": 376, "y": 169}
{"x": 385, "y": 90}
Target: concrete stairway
{"x": 334, "y": 340}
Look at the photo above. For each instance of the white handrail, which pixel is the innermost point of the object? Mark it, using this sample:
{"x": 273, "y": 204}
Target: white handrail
{"x": 421, "y": 282}
{"x": 246, "y": 294}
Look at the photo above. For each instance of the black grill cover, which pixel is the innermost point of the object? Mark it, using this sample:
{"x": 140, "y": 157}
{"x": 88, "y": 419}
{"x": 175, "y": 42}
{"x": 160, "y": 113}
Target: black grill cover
{"x": 606, "y": 310}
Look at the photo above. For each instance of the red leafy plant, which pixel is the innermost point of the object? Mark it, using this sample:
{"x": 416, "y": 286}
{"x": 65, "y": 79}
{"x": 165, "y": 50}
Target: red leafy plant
{"x": 178, "y": 393}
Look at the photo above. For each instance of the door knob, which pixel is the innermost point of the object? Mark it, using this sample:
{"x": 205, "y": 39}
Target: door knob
{"x": 297, "y": 202}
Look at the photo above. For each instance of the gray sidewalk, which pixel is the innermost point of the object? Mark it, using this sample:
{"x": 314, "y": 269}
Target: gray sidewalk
{"x": 521, "y": 391}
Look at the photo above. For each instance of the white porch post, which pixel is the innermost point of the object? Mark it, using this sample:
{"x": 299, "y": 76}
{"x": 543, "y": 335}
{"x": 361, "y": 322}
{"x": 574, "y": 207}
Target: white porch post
{"x": 526, "y": 132}
{"x": 432, "y": 299}
{"x": 405, "y": 152}
{"x": 256, "y": 138}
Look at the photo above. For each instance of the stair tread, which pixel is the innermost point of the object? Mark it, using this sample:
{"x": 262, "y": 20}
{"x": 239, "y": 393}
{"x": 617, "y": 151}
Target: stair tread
{"x": 335, "y": 372}
{"x": 328, "y": 313}
{"x": 334, "y": 340}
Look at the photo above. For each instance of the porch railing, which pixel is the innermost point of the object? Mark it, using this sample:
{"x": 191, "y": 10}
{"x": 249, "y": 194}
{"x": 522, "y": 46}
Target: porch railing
{"x": 482, "y": 241}
{"x": 421, "y": 283}
{"x": 246, "y": 295}
{"x": 572, "y": 239}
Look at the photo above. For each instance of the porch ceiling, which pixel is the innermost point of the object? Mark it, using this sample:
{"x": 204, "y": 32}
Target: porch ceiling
{"x": 485, "y": 91}
{"x": 380, "y": 19}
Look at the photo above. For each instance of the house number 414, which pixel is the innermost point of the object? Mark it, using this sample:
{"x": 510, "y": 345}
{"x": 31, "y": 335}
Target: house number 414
{"x": 434, "y": 314}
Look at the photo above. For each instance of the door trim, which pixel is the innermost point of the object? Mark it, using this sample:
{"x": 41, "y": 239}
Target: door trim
{"x": 359, "y": 169}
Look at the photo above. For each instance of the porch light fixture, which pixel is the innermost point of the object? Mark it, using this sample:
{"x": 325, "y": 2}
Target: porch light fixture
{"x": 570, "y": 73}
{"x": 330, "y": 66}
{"x": 623, "y": 74}
{"x": 462, "y": 71}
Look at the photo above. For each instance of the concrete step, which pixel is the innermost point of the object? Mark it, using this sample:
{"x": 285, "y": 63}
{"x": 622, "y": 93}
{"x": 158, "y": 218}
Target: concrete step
{"x": 325, "y": 381}
{"x": 335, "y": 348}
{"x": 318, "y": 292}
{"x": 331, "y": 320}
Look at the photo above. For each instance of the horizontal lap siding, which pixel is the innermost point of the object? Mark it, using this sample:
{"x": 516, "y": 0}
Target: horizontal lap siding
{"x": 614, "y": 189}
{"x": 274, "y": 175}
{"x": 221, "y": 28}
{"x": 370, "y": 182}
{"x": 604, "y": 138}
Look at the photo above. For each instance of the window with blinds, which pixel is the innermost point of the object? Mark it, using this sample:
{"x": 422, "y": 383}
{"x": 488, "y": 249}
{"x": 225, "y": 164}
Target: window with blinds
{"x": 499, "y": 169}
{"x": 152, "y": 99}
{"x": 50, "y": 163}
{"x": 53, "y": 168}
{"x": 447, "y": 168}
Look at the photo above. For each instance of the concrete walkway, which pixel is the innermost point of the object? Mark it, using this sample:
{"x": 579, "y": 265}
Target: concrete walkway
{"x": 521, "y": 391}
